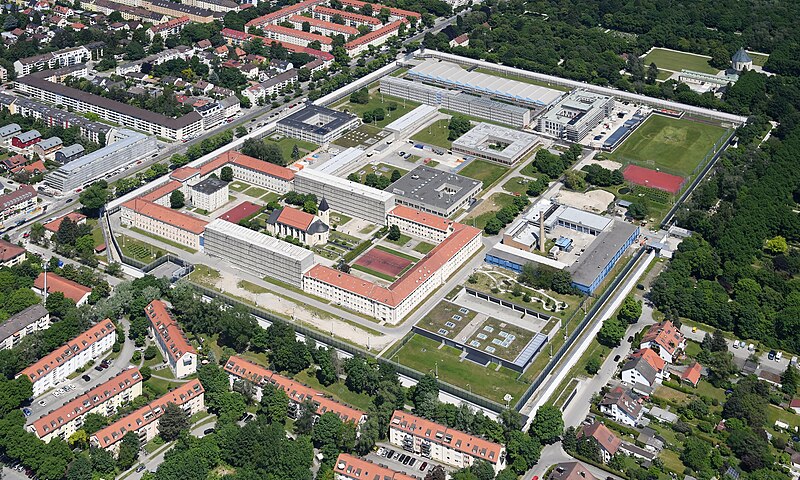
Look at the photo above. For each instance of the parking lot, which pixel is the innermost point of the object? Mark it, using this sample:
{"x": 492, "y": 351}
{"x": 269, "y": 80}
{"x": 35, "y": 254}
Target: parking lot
{"x": 399, "y": 460}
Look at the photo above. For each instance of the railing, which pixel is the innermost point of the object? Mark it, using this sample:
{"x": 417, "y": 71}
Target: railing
{"x": 578, "y": 330}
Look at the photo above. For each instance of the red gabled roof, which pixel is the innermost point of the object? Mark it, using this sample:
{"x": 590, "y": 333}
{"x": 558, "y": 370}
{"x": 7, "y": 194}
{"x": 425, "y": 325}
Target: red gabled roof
{"x": 293, "y": 32}
{"x": 604, "y": 437}
{"x": 282, "y": 13}
{"x": 242, "y": 36}
{"x": 295, "y": 218}
{"x": 167, "y": 215}
{"x": 9, "y": 251}
{"x": 251, "y": 163}
{"x": 82, "y": 404}
{"x": 692, "y": 374}
{"x": 54, "y": 359}
{"x": 357, "y": 17}
{"x": 168, "y": 330}
{"x": 410, "y": 281}
{"x": 354, "y": 468}
{"x": 56, "y": 224}
{"x": 161, "y": 191}
{"x": 147, "y": 414}
{"x": 376, "y": 7}
{"x": 184, "y": 173}
{"x": 435, "y": 433}
{"x": 315, "y": 22}
{"x": 56, "y": 283}
{"x": 652, "y": 358}
{"x": 296, "y": 391}
{"x": 374, "y": 35}
{"x": 665, "y": 335}
{"x": 428, "y": 219}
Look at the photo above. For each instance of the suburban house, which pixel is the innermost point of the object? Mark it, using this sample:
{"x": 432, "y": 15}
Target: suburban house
{"x": 645, "y": 367}
{"x": 608, "y": 441}
{"x": 666, "y": 339}
{"x": 621, "y": 407}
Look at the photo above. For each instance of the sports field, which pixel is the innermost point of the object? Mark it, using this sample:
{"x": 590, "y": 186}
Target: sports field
{"x": 677, "y": 61}
{"x": 383, "y": 262}
{"x": 673, "y": 145}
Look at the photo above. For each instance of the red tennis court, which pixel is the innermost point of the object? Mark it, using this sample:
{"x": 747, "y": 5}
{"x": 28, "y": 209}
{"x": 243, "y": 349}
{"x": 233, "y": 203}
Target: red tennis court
{"x": 383, "y": 262}
{"x": 653, "y": 179}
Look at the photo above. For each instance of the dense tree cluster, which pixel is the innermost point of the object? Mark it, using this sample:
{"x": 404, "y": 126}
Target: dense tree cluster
{"x": 506, "y": 215}
{"x": 542, "y": 276}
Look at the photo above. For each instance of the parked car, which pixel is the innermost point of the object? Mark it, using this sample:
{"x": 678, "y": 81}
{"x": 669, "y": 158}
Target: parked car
{"x": 86, "y": 378}
{"x": 140, "y": 468}
{"x": 771, "y": 355}
{"x": 423, "y": 466}
{"x": 99, "y": 368}
{"x": 616, "y": 358}
{"x": 208, "y": 431}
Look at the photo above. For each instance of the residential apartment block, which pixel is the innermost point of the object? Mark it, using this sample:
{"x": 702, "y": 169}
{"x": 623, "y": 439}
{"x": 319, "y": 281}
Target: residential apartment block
{"x": 323, "y": 27}
{"x": 21, "y": 200}
{"x": 298, "y": 37}
{"x": 11, "y": 254}
{"x": 66, "y": 359}
{"x": 26, "y": 322}
{"x": 103, "y": 399}
{"x": 349, "y": 467}
{"x": 621, "y": 407}
{"x": 144, "y": 421}
{"x": 170, "y": 340}
{"x": 241, "y": 369}
{"x": 442, "y": 444}
{"x": 168, "y": 29}
{"x": 61, "y": 58}
{"x": 351, "y": 19}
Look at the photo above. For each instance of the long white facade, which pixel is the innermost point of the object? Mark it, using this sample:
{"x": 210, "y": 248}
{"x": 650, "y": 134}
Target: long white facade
{"x": 346, "y": 197}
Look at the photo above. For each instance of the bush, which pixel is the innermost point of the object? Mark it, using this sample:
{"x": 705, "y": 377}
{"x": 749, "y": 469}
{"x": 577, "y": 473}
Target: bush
{"x": 150, "y": 352}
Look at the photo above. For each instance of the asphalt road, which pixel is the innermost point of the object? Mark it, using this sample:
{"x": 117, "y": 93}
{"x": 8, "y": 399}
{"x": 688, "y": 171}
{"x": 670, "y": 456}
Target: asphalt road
{"x": 122, "y": 362}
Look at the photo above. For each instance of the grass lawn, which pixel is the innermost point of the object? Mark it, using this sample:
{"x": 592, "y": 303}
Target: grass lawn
{"x": 486, "y": 172}
{"x": 339, "y": 218}
{"x": 252, "y": 287}
{"x": 424, "y": 355}
{"x": 287, "y": 145}
{"x": 270, "y": 196}
{"x": 673, "y": 145}
{"x": 396, "y": 253}
{"x": 238, "y": 186}
{"x": 357, "y": 137}
{"x": 204, "y": 275}
{"x": 255, "y": 192}
{"x": 705, "y": 389}
{"x": 423, "y": 247}
{"x": 381, "y": 169}
{"x": 518, "y": 185}
{"x": 379, "y": 101}
{"x": 164, "y": 240}
{"x": 759, "y": 59}
{"x": 137, "y": 249}
{"x": 372, "y": 272}
{"x": 97, "y": 231}
{"x": 160, "y": 386}
{"x": 402, "y": 240}
{"x": 435, "y": 134}
{"x": 672, "y": 461}
{"x": 522, "y": 79}
{"x": 443, "y": 314}
{"x": 496, "y": 202}
{"x": 337, "y": 390}
{"x": 671, "y": 394}
{"x": 677, "y": 61}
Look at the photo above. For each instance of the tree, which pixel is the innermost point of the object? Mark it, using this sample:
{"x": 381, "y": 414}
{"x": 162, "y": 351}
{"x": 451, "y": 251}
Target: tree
{"x": 94, "y": 197}
{"x": 226, "y": 174}
{"x": 630, "y": 310}
{"x": 776, "y": 245}
{"x": 80, "y": 469}
{"x": 611, "y": 333}
{"x": 394, "y": 233}
{"x": 310, "y": 206}
{"x": 305, "y": 420}
{"x": 437, "y": 473}
{"x": 547, "y": 424}
{"x": 94, "y": 422}
{"x": 172, "y": 422}
{"x": 295, "y": 152}
{"x": 593, "y": 365}
{"x": 128, "y": 451}
{"x": 696, "y": 453}
{"x": 574, "y": 180}
{"x": 638, "y": 210}
{"x": 266, "y": 151}
{"x": 360, "y": 96}
{"x": 789, "y": 380}
{"x": 327, "y": 430}
{"x": 493, "y": 226}
{"x": 176, "y": 199}
{"x": 274, "y": 404}
{"x": 457, "y": 127}
{"x": 326, "y": 373}
{"x": 652, "y": 74}
{"x": 395, "y": 175}
{"x": 102, "y": 461}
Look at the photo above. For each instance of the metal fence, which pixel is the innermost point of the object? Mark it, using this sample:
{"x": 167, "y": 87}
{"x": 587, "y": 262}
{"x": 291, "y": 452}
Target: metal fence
{"x": 578, "y": 330}
{"x": 349, "y": 348}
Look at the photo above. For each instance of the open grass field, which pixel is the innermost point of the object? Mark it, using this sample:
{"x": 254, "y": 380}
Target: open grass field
{"x": 255, "y": 192}
{"x": 287, "y": 145}
{"x": 486, "y": 210}
{"x": 137, "y": 249}
{"x": 379, "y": 101}
{"x": 359, "y": 136}
{"x": 423, "y": 247}
{"x": 677, "y": 61}
{"x": 435, "y": 134}
{"x": 238, "y": 186}
{"x": 486, "y": 172}
{"x": 337, "y": 390}
{"x": 672, "y": 145}
{"x": 758, "y": 58}
{"x": 424, "y": 355}
{"x": 518, "y": 185}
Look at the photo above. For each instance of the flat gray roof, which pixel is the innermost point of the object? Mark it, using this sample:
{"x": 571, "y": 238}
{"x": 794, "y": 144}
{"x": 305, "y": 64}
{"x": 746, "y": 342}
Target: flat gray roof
{"x": 209, "y": 185}
{"x": 316, "y": 119}
{"x": 410, "y": 118}
{"x": 434, "y": 187}
{"x": 127, "y": 138}
{"x": 484, "y": 135}
{"x": 600, "y": 252}
{"x": 490, "y": 84}
{"x": 21, "y": 320}
{"x": 259, "y": 239}
{"x": 575, "y": 106}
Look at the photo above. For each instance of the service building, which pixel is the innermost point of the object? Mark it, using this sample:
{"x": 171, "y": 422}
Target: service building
{"x": 317, "y": 124}
{"x": 495, "y": 143}
{"x": 575, "y": 115}
{"x": 435, "y": 191}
